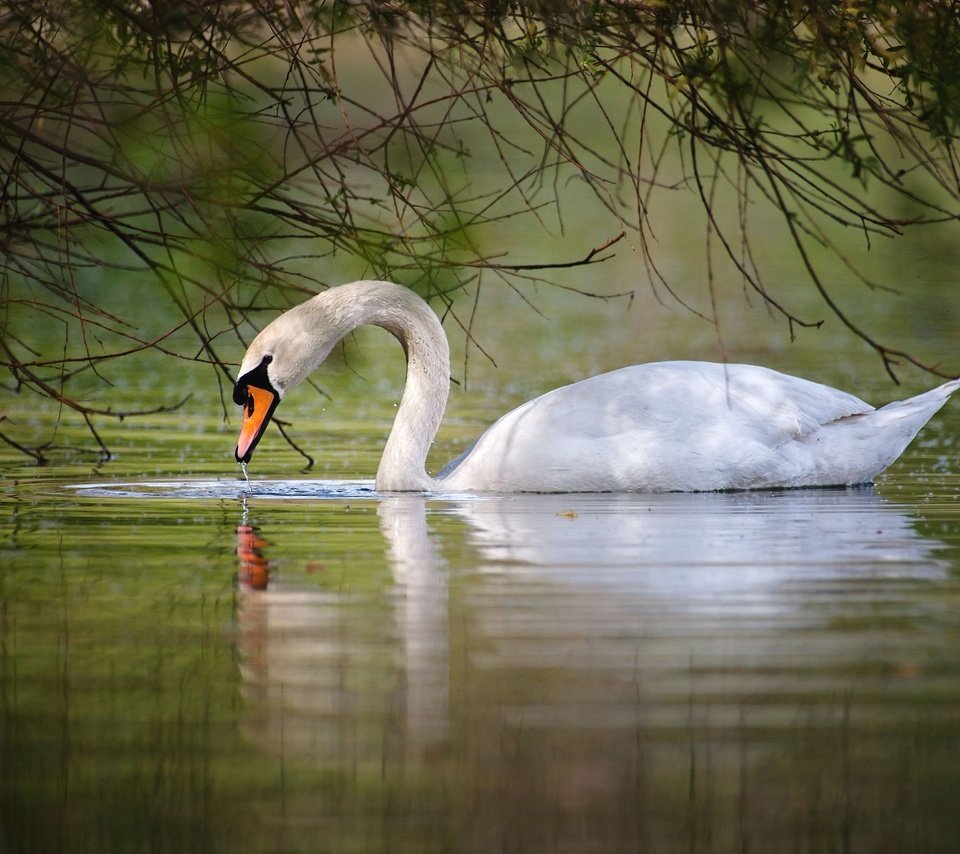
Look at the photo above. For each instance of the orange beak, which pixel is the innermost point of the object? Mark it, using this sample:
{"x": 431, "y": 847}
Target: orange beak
{"x": 257, "y": 411}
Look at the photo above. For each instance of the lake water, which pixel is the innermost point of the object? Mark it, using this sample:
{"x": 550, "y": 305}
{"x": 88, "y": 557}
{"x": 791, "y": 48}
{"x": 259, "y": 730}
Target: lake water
{"x": 192, "y": 663}
{"x": 302, "y": 665}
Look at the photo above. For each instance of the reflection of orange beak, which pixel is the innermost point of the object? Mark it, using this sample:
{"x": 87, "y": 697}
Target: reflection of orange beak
{"x": 256, "y": 415}
{"x": 254, "y": 567}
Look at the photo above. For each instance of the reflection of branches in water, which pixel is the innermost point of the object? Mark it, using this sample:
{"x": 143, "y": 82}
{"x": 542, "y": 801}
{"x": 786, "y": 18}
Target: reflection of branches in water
{"x": 210, "y": 156}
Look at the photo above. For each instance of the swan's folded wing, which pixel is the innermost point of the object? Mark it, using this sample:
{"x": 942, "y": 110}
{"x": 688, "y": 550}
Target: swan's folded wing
{"x": 778, "y": 405}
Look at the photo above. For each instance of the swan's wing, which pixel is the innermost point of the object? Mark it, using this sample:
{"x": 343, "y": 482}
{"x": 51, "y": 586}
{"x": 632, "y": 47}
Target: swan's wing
{"x": 684, "y": 399}
{"x": 776, "y": 406}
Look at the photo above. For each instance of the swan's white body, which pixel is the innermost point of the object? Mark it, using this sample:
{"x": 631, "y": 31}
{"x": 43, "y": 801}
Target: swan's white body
{"x": 664, "y": 426}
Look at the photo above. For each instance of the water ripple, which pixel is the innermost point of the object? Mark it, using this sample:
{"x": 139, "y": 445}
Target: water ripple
{"x": 229, "y": 488}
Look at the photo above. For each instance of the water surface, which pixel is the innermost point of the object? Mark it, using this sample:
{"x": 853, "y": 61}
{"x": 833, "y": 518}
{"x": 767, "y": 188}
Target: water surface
{"x": 303, "y": 665}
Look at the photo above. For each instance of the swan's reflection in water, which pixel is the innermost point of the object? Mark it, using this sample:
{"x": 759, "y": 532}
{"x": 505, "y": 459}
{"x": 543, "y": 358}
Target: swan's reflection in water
{"x": 339, "y": 683}
{"x": 571, "y": 660}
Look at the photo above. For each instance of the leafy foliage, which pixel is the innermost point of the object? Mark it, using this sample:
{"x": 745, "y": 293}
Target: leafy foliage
{"x": 171, "y": 169}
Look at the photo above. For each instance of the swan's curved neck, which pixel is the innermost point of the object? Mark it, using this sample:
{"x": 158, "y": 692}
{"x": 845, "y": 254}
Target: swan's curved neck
{"x": 402, "y": 313}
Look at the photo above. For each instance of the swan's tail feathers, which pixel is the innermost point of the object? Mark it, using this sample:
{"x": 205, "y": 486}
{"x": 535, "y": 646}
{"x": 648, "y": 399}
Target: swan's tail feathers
{"x": 929, "y": 398}
{"x": 947, "y": 388}
{"x": 922, "y": 407}
{"x": 950, "y": 387}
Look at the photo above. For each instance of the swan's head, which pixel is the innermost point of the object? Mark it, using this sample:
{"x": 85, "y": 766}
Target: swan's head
{"x": 257, "y": 394}
{"x": 284, "y": 354}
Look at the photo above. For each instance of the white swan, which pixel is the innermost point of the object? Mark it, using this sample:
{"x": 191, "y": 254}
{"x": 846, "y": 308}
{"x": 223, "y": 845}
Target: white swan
{"x": 681, "y": 426}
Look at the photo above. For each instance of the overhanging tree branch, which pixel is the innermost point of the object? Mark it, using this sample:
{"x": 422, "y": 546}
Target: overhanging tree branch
{"x": 212, "y": 154}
